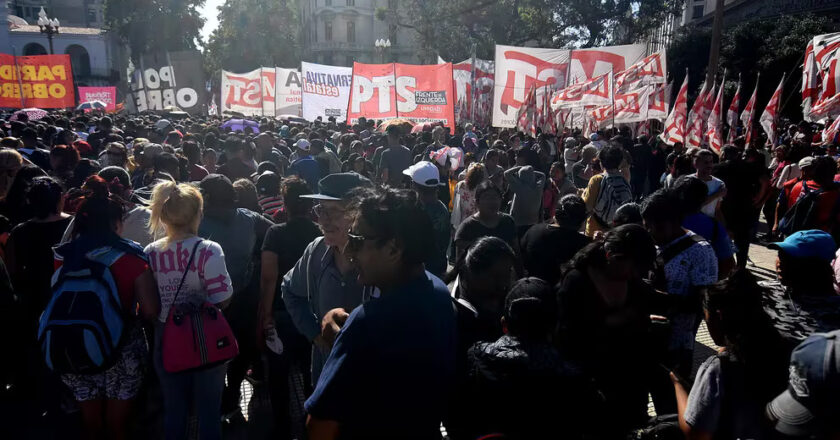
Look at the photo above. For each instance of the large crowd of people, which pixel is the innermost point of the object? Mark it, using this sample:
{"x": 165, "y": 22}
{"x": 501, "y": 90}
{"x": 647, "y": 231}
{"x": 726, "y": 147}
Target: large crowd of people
{"x": 472, "y": 283}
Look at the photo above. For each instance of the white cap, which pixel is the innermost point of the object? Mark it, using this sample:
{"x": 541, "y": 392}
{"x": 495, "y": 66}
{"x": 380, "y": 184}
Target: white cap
{"x": 302, "y": 144}
{"x": 423, "y": 173}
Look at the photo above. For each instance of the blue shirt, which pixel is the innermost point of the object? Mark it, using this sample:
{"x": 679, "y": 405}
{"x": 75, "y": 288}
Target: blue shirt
{"x": 392, "y": 367}
{"x": 704, "y": 226}
{"x": 307, "y": 169}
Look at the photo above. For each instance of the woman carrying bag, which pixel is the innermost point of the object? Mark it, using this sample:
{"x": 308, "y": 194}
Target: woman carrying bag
{"x": 193, "y": 282}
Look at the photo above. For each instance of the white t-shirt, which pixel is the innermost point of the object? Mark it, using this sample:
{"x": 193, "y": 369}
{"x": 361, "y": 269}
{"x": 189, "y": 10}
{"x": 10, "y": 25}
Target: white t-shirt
{"x": 714, "y": 186}
{"x": 790, "y": 171}
{"x": 207, "y": 277}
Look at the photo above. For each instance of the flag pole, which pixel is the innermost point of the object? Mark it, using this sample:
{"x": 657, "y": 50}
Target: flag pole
{"x": 612, "y": 93}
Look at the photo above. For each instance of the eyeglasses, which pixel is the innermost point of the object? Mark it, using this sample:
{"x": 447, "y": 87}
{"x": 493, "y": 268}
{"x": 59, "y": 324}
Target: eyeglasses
{"x": 322, "y": 212}
{"x": 356, "y": 241}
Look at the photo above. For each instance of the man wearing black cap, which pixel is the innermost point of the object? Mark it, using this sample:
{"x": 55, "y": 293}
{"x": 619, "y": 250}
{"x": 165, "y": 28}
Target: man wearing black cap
{"x": 323, "y": 284}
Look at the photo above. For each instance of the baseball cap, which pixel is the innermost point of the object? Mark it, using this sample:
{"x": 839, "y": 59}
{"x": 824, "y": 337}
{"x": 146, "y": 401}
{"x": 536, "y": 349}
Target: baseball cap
{"x": 423, "y": 173}
{"x": 806, "y": 162}
{"x": 152, "y": 150}
{"x": 808, "y": 244}
{"x": 337, "y": 186}
{"x": 163, "y": 126}
{"x": 810, "y": 403}
{"x": 268, "y": 183}
{"x": 302, "y": 144}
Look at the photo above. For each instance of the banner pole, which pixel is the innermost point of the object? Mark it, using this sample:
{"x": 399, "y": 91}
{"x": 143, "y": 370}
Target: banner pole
{"x": 612, "y": 93}
{"x": 472, "y": 86}
{"x": 262, "y": 91}
{"x": 143, "y": 83}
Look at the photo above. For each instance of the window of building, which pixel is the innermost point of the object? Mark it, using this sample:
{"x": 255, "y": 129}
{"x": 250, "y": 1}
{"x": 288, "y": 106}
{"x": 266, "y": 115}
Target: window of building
{"x": 351, "y": 2}
{"x": 392, "y": 4}
{"x": 351, "y": 32}
{"x": 328, "y": 30}
{"x": 697, "y": 12}
{"x": 349, "y": 61}
{"x": 91, "y": 16}
{"x": 328, "y": 59}
{"x": 327, "y": 2}
{"x": 392, "y": 34}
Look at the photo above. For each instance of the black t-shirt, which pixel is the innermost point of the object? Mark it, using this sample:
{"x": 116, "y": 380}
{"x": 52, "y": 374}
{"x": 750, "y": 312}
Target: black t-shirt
{"x": 288, "y": 241}
{"x": 546, "y": 247}
{"x": 471, "y": 230}
{"x": 577, "y": 170}
{"x": 32, "y": 246}
{"x": 235, "y": 169}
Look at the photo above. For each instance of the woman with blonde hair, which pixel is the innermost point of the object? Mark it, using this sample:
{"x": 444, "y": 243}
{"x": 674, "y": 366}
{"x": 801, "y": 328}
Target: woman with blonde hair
{"x": 10, "y": 163}
{"x": 176, "y": 214}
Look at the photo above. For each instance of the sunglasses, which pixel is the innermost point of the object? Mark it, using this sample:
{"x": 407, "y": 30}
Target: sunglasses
{"x": 325, "y": 213}
{"x": 356, "y": 241}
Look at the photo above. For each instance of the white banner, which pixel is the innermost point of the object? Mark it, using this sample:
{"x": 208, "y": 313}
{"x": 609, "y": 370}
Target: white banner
{"x": 597, "y": 92}
{"x": 520, "y": 68}
{"x": 288, "y": 92}
{"x": 250, "y": 93}
{"x": 325, "y": 91}
{"x": 658, "y": 103}
{"x": 651, "y": 70}
{"x": 589, "y": 63}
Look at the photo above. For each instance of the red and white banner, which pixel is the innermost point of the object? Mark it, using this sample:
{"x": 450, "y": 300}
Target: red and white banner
{"x": 520, "y": 68}
{"x": 484, "y": 80}
{"x": 829, "y": 134}
{"x": 267, "y": 91}
{"x": 589, "y": 63}
{"x": 526, "y": 115}
{"x": 105, "y": 95}
{"x": 747, "y": 115}
{"x": 629, "y": 108}
{"x": 698, "y": 116}
{"x": 770, "y": 115}
{"x": 419, "y": 93}
{"x": 676, "y": 121}
{"x": 821, "y": 78}
{"x": 597, "y": 92}
{"x": 714, "y": 126}
{"x": 650, "y": 70}
{"x": 732, "y": 114}
{"x": 658, "y": 102}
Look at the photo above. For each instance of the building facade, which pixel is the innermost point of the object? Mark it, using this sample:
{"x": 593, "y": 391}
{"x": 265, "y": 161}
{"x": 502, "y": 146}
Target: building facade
{"x": 339, "y": 32}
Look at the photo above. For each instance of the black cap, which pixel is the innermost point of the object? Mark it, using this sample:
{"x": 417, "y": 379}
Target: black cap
{"x": 337, "y": 186}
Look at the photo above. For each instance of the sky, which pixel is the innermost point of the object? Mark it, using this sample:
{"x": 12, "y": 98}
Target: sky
{"x": 210, "y": 13}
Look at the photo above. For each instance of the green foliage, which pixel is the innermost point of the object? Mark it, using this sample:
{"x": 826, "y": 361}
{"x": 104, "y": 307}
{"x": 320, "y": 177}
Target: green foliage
{"x": 155, "y": 25}
{"x": 254, "y": 33}
{"x": 771, "y": 46}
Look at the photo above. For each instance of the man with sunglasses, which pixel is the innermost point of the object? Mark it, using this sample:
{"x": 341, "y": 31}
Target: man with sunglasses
{"x": 322, "y": 287}
{"x": 395, "y": 355}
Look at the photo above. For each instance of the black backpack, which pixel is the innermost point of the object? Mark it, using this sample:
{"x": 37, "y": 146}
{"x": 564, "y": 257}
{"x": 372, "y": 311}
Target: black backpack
{"x": 802, "y": 215}
{"x": 658, "y": 280}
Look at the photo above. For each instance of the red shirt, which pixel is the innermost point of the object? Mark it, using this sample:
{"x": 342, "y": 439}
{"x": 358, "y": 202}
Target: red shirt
{"x": 826, "y": 204}
{"x": 125, "y": 270}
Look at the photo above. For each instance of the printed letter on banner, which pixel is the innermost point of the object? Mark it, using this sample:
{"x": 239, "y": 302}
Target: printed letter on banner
{"x": 325, "y": 91}
{"x": 105, "y": 95}
{"x": 44, "y": 81}
{"x": 425, "y": 93}
{"x": 372, "y": 94}
{"x": 589, "y": 63}
{"x": 287, "y": 92}
{"x": 250, "y": 93}
{"x": 651, "y": 70}
{"x": 520, "y": 68}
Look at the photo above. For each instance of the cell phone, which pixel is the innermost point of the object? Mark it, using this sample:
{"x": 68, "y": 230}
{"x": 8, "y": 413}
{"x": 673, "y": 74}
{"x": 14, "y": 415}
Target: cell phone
{"x": 668, "y": 371}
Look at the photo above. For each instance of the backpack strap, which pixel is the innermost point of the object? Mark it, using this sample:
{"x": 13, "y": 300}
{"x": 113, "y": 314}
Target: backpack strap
{"x": 186, "y": 270}
{"x": 670, "y": 252}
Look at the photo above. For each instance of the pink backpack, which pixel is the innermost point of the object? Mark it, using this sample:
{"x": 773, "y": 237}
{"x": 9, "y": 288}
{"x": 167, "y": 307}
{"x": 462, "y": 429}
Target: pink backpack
{"x": 196, "y": 337}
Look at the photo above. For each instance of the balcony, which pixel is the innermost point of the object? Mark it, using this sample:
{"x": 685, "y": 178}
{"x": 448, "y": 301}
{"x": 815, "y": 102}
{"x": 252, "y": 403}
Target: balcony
{"x": 338, "y": 45}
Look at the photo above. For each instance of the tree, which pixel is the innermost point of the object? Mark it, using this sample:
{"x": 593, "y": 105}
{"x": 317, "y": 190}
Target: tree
{"x": 254, "y": 33}
{"x": 543, "y": 23}
{"x": 155, "y": 25}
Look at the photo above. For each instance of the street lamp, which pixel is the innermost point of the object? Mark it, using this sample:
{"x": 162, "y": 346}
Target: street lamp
{"x": 48, "y": 26}
{"x": 381, "y": 45}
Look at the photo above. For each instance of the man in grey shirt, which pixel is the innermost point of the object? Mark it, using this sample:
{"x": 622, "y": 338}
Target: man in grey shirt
{"x": 527, "y": 186}
{"x": 395, "y": 159}
{"x": 321, "y": 290}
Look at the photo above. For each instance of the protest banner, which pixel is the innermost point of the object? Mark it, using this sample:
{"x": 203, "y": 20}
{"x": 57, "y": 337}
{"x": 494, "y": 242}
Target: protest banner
{"x": 169, "y": 79}
{"x": 650, "y": 70}
{"x": 325, "y": 91}
{"x": 418, "y": 93}
{"x": 588, "y": 63}
{"x": 474, "y": 103}
{"x": 520, "y": 68}
{"x": 597, "y": 91}
{"x": 629, "y": 108}
{"x": 250, "y": 93}
{"x": 106, "y": 95}
{"x": 821, "y": 78}
{"x": 658, "y": 102}
{"x": 44, "y": 81}
{"x": 287, "y": 88}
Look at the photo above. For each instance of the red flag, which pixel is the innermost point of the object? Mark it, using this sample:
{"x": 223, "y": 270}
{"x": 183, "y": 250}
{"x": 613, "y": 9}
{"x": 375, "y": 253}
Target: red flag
{"x": 771, "y": 113}
{"x": 732, "y": 114}
{"x": 829, "y": 135}
{"x": 698, "y": 116}
{"x": 713, "y": 126}
{"x": 749, "y": 111}
{"x": 675, "y": 124}
{"x": 525, "y": 115}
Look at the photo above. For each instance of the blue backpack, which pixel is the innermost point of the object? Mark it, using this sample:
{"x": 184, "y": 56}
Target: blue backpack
{"x": 82, "y": 327}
